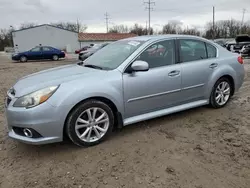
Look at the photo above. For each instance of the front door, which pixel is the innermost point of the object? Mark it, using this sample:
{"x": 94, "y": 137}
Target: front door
{"x": 157, "y": 88}
{"x": 35, "y": 54}
{"x": 198, "y": 61}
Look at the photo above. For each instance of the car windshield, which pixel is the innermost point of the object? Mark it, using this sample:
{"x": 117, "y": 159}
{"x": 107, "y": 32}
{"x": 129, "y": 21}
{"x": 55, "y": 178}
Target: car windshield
{"x": 113, "y": 55}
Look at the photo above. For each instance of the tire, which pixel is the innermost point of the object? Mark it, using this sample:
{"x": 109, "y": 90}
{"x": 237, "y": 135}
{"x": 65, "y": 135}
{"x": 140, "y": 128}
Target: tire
{"x": 23, "y": 59}
{"x": 55, "y": 58}
{"x": 87, "y": 135}
{"x": 215, "y": 100}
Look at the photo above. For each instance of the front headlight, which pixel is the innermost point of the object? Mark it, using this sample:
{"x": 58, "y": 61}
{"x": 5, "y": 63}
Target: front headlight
{"x": 35, "y": 98}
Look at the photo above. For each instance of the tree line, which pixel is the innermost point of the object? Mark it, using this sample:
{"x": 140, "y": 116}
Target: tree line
{"x": 221, "y": 29}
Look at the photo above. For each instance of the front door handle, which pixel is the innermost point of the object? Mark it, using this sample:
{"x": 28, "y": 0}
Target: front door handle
{"x": 213, "y": 65}
{"x": 174, "y": 73}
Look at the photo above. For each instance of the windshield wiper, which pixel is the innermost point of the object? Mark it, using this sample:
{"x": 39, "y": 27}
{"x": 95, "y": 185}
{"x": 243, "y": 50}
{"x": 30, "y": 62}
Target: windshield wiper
{"x": 93, "y": 66}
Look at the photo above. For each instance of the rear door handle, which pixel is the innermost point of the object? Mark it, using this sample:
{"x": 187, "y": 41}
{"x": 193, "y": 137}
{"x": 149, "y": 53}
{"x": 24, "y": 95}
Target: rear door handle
{"x": 213, "y": 65}
{"x": 174, "y": 73}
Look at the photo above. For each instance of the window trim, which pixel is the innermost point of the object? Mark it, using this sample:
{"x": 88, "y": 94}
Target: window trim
{"x": 161, "y": 40}
{"x": 179, "y": 47}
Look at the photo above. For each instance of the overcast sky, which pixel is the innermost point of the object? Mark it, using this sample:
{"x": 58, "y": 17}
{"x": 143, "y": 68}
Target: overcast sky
{"x": 192, "y": 13}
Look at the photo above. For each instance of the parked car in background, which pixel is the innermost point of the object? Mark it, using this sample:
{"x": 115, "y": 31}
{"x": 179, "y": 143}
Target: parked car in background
{"x": 120, "y": 85}
{"x": 245, "y": 51}
{"x": 82, "y": 49}
{"x": 241, "y": 40}
{"x": 39, "y": 53}
{"x": 223, "y": 41}
{"x": 85, "y": 54}
{"x": 230, "y": 44}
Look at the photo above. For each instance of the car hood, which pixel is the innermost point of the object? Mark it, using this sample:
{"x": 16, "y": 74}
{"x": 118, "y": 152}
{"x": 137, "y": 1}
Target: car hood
{"x": 53, "y": 77}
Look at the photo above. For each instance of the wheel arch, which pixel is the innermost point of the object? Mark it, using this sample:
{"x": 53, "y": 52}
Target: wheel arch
{"x": 226, "y": 72}
{"x": 107, "y": 101}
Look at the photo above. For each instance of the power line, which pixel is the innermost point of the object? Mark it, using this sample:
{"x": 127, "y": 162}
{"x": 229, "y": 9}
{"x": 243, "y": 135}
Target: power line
{"x": 149, "y": 4}
{"x": 107, "y": 21}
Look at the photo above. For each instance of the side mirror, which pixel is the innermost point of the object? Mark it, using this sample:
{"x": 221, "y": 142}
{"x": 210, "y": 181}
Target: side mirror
{"x": 140, "y": 66}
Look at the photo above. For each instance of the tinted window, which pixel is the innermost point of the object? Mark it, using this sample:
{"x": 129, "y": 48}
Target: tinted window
{"x": 37, "y": 49}
{"x": 47, "y": 49}
{"x": 192, "y": 50}
{"x": 159, "y": 54}
{"x": 211, "y": 51}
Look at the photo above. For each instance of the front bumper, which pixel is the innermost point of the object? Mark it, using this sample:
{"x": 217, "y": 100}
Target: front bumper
{"x": 15, "y": 58}
{"x": 44, "y": 119}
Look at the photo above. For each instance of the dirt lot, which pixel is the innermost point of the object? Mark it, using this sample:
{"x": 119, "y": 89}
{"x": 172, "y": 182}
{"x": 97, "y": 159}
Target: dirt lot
{"x": 199, "y": 148}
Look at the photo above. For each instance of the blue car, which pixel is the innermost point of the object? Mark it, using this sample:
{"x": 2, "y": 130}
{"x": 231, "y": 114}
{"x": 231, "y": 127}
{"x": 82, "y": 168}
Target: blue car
{"x": 38, "y": 53}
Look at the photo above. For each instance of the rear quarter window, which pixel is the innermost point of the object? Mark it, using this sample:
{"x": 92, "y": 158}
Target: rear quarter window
{"x": 211, "y": 51}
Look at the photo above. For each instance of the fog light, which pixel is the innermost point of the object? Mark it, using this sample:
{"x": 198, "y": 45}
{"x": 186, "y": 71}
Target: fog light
{"x": 28, "y": 133}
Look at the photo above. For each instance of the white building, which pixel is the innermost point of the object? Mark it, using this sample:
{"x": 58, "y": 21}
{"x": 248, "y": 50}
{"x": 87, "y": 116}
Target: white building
{"x": 46, "y": 35}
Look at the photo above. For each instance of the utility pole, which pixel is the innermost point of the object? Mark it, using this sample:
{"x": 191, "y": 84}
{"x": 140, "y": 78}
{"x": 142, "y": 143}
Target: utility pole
{"x": 213, "y": 22}
{"x": 243, "y": 16}
{"x": 107, "y": 21}
{"x": 149, "y": 4}
{"x": 78, "y": 31}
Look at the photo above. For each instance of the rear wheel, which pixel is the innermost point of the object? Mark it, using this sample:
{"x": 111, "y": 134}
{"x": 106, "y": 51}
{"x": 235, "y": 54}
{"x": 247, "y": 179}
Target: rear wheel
{"x": 90, "y": 123}
{"x": 23, "y": 59}
{"x": 55, "y": 57}
{"x": 221, "y": 93}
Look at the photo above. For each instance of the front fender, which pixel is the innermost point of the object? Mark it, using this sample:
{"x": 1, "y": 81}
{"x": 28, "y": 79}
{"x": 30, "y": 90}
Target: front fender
{"x": 68, "y": 96}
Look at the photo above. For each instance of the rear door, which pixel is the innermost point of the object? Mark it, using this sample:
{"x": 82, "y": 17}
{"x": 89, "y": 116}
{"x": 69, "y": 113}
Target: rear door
{"x": 198, "y": 61}
{"x": 47, "y": 52}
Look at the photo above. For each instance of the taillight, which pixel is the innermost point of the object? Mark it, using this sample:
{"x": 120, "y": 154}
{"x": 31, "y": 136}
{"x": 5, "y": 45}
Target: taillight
{"x": 240, "y": 60}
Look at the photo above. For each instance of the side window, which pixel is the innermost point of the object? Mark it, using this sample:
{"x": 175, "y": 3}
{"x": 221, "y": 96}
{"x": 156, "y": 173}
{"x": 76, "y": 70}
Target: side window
{"x": 211, "y": 51}
{"x": 46, "y": 49}
{"x": 192, "y": 50}
{"x": 37, "y": 49}
{"x": 159, "y": 54}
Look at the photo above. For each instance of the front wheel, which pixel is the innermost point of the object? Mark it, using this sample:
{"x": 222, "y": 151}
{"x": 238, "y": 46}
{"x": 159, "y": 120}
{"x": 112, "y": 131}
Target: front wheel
{"x": 221, "y": 93}
{"x": 23, "y": 59}
{"x": 90, "y": 123}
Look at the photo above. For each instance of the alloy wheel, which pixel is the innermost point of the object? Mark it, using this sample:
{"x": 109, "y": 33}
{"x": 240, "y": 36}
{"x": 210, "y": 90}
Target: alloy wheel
{"x": 92, "y": 124}
{"x": 222, "y": 93}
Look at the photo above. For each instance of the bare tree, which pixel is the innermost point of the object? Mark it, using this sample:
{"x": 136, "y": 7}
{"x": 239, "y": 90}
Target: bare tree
{"x": 72, "y": 26}
{"x": 226, "y": 29}
{"x": 27, "y": 25}
{"x": 119, "y": 29}
{"x": 140, "y": 30}
{"x": 5, "y": 39}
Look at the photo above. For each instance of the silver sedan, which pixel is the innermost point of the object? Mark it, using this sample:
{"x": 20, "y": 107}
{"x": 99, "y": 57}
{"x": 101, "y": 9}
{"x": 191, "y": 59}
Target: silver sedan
{"x": 128, "y": 81}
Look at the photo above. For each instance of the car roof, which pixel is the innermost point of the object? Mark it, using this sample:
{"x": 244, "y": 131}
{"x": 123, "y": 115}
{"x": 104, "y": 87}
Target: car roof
{"x": 158, "y": 37}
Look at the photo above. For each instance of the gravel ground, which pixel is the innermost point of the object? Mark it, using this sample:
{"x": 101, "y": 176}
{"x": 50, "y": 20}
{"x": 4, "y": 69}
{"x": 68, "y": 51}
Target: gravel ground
{"x": 199, "y": 148}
